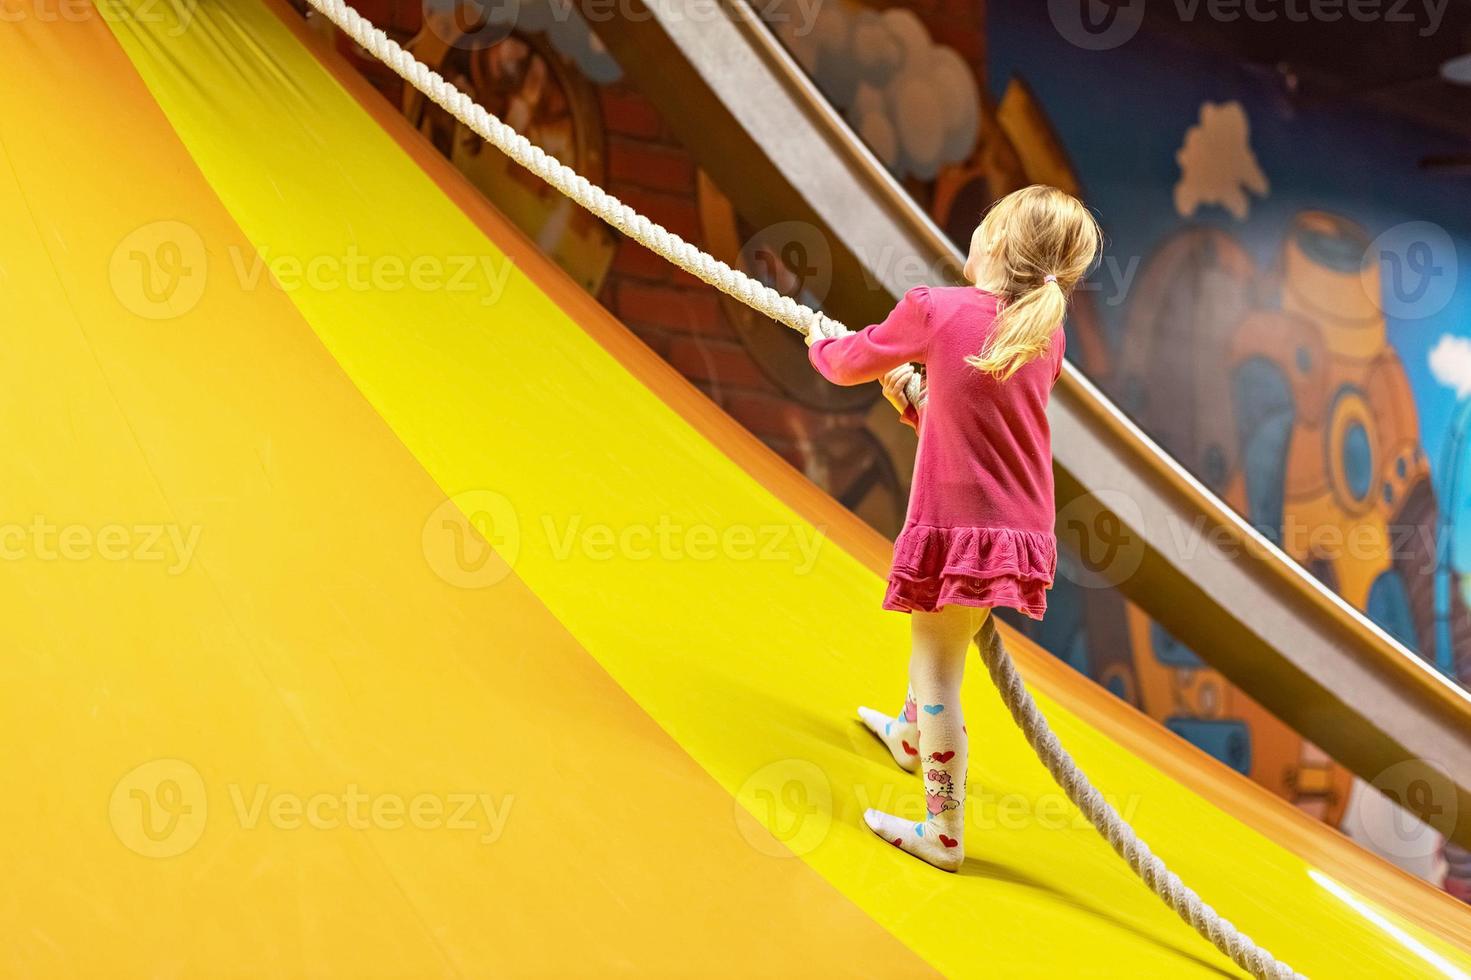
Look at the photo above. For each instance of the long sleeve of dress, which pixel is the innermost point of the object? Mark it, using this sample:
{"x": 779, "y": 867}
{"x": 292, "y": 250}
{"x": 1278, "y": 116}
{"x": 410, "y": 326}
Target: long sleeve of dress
{"x": 873, "y": 351}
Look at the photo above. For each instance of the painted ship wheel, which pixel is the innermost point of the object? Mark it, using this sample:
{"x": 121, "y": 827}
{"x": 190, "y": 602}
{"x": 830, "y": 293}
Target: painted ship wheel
{"x": 527, "y": 83}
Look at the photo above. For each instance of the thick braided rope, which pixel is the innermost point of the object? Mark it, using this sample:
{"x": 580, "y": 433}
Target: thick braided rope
{"x": 803, "y": 319}
{"x": 650, "y": 234}
{"x": 1106, "y": 820}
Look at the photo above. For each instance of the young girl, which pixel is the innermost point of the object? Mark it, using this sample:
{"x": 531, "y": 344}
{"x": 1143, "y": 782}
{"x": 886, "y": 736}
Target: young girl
{"x": 979, "y": 530}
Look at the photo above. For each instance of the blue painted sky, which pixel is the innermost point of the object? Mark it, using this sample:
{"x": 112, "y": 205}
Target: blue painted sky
{"x": 1122, "y": 115}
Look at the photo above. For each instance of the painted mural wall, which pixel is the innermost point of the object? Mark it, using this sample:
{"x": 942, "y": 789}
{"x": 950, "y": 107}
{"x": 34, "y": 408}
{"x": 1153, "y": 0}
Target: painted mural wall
{"x": 1285, "y": 302}
{"x": 1282, "y": 307}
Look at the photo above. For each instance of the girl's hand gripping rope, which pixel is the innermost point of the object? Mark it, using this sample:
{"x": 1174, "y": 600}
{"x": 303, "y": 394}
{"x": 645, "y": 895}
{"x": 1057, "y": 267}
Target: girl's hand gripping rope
{"x": 894, "y": 384}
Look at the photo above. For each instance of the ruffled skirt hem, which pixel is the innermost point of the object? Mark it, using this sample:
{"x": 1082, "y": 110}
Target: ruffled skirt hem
{"x": 1027, "y": 598}
{"x": 971, "y": 566}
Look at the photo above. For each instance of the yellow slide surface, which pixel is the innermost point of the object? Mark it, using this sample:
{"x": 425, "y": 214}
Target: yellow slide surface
{"x": 374, "y": 605}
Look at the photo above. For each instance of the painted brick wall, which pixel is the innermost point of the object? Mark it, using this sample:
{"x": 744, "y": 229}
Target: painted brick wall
{"x": 681, "y": 318}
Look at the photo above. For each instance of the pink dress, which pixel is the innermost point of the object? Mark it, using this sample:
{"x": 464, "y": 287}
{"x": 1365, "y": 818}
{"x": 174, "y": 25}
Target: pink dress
{"x": 979, "y": 528}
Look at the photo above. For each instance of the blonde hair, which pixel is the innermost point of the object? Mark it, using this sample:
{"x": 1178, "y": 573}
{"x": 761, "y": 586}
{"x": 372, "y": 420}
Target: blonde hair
{"x": 1034, "y": 246}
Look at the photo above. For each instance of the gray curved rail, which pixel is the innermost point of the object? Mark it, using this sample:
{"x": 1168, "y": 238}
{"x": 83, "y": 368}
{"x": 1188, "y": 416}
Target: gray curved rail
{"x": 738, "y": 102}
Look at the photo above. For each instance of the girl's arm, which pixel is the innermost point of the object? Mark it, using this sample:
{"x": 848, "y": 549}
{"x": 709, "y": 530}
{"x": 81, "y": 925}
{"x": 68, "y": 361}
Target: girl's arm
{"x": 874, "y": 351}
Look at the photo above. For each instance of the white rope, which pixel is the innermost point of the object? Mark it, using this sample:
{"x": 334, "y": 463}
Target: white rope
{"x": 1106, "y": 820}
{"x": 650, "y": 234}
{"x": 783, "y": 309}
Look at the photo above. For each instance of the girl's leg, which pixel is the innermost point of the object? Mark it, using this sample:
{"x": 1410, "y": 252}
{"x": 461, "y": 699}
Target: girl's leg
{"x": 900, "y": 733}
{"x": 936, "y": 666}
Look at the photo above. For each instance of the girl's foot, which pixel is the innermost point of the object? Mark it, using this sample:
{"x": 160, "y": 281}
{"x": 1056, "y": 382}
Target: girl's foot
{"x": 935, "y": 668}
{"x": 928, "y": 841}
{"x": 902, "y": 737}
{"x": 900, "y": 734}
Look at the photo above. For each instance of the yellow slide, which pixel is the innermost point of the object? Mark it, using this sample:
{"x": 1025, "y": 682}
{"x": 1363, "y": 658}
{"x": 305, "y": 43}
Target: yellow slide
{"x": 374, "y": 605}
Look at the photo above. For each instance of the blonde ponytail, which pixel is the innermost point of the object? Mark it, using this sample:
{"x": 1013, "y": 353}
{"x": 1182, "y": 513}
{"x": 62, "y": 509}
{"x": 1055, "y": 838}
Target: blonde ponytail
{"x": 1032, "y": 248}
{"x": 1023, "y": 331}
